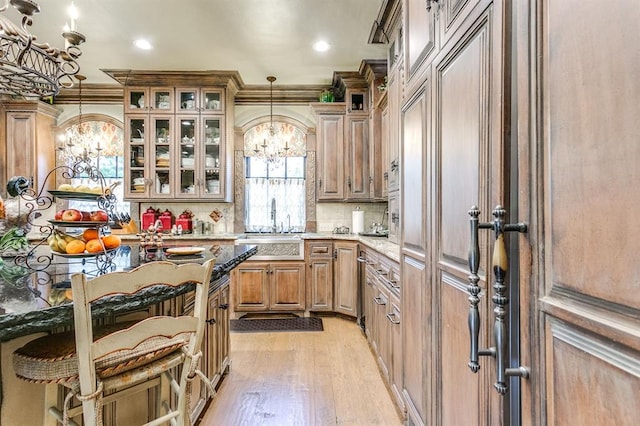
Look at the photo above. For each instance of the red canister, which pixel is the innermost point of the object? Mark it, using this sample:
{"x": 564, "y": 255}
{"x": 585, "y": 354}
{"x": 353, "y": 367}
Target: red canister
{"x": 149, "y": 218}
{"x": 167, "y": 220}
{"x": 185, "y": 221}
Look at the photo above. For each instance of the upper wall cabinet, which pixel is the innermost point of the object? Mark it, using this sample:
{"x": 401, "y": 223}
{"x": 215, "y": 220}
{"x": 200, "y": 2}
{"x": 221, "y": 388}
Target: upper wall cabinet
{"x": 197, "y": 100}
{"x": 420, "y": 34}
{"x": 149, "y": 99}
{"x": 178, "y": 134}
{"x": 27, "y": 141}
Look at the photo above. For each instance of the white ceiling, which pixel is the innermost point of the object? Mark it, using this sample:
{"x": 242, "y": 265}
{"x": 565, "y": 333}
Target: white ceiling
{"x": 257, "y": 38}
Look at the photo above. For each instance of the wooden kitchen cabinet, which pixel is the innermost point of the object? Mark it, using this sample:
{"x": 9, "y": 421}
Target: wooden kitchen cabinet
{"x": 342, "y": 154}
{"x": 269, "y": 286}
{"x": 215, "y": 346}
{"x": 420, "y": 34}
{"x": 330, "y": 151}
{"x": 357, "y": 172}
{"x": 343, "y": 158}
{"x": 320, "y": 275}
{"x": 345, "y": 296}
{"x": 176, "y": 137}
{"x": 28, "y": 142}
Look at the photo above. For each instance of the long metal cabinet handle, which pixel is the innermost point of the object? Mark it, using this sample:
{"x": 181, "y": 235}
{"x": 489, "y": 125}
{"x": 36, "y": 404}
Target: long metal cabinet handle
{"x": 500, "y": 265}
{"x": 474, "y": 291}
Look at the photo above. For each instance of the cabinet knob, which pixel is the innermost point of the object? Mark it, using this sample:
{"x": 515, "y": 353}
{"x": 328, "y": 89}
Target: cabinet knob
{"x": 210, "y": 321}
{"x": 224, "y": 306}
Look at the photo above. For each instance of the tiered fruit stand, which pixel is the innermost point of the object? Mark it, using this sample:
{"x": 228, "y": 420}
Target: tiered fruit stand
{"x": 38, "y": 201}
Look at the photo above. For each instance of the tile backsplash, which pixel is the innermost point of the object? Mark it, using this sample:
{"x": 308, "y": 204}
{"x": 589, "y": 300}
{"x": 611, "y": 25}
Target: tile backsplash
{"x": 332, "y": 215}
{"x": 201, "y": 212}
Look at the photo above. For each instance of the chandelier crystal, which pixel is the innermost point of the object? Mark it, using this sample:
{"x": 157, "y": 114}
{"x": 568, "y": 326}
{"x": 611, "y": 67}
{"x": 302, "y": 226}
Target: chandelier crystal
{"x": 78, "y": 144}
{"x": 29, "y": 68}
{"x": 271, "y": 149}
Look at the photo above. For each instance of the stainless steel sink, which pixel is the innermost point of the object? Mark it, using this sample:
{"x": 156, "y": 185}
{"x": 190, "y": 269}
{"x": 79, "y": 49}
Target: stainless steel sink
{"x": 274, "y": 246}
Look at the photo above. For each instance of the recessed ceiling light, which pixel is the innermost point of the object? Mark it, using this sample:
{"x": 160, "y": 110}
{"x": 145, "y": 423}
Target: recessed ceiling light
{"x": 142, "y": 44}
{"x": 321, "y": 46}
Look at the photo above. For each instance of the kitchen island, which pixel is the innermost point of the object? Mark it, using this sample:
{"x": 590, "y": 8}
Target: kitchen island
{"x": 37, "y": 302}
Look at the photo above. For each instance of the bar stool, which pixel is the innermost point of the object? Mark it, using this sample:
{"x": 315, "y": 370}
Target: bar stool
{"x": 123, "y": 357}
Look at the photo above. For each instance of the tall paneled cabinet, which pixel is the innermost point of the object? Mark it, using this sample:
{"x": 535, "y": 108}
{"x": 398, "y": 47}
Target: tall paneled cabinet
{"x": 178, "y": 135}
{"x": 27, "y": 141}
{"x": 346, "y": 169}
{"x": 447, "y": 76}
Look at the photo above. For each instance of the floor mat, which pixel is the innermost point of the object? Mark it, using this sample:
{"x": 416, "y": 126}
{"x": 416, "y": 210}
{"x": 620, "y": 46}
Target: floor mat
{"x": 276, "y": 324}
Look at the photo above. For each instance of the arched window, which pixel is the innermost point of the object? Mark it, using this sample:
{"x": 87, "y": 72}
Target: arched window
{"x": 275, "y": 178}
{"x": 103, "y": 140}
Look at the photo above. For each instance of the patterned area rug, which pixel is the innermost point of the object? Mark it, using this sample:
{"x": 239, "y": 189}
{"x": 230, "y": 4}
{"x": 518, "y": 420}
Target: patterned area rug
{"x": 276, "y": 324}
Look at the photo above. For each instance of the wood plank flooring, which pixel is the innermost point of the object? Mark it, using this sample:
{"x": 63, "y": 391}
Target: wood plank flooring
{"x": 303, "y": 378}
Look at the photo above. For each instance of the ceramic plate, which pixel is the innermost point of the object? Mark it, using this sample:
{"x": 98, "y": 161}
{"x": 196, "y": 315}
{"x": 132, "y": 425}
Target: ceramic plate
{"x": 184, "y": 251}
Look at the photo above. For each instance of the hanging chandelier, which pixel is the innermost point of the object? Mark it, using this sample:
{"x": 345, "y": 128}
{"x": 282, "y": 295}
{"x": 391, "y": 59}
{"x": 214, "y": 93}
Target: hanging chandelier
{"x": 271, "y": 149}
{"x": 78, "y": 142}
{"x": 29, "y": 68}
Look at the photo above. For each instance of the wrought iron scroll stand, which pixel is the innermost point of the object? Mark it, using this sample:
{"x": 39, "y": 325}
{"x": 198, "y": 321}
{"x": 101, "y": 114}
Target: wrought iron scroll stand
{"x": 38, "y": 201}
{"x": 500, "y": 297}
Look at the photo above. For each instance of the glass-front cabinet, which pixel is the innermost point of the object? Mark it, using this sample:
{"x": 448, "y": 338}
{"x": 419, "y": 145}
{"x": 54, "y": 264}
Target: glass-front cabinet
{"x": 136, "y": 176}
{"x": 154, "y": 100}
{"x": 200, "y": 156}
{"x": 162, "y": 131}
{"x": 180, "y": 160}
{"x": 199, "y": 100}
{"x": 176, "y": 143}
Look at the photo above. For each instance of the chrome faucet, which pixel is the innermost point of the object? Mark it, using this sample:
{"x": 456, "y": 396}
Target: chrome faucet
{"x": 274, "y": 227}
{"x": 288, "y": 223}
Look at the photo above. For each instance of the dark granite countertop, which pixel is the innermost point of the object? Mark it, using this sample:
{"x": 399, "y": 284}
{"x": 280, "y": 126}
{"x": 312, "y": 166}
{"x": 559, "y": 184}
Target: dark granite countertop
{"x": 32, "y": 302}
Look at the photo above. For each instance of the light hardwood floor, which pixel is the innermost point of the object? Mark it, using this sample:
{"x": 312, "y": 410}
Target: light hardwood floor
{"x": 303, "y": 378}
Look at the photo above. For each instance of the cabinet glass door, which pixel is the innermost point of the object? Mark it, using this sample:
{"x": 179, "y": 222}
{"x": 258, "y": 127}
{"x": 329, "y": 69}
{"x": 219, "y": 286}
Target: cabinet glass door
{"x": 211, "y": 156}
{"x": 211, "y": 100}
{"x": 161, "y": 142}
{"x": 187, "y": 100}
{"x": 135, "y": 152}
{"x": 136, "y": 99}
{"x": 162, "y": 100}
{"x": 188, "y": 155}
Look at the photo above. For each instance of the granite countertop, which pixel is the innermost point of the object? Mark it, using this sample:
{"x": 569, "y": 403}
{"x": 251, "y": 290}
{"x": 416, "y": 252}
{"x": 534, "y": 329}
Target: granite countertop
{"x": 380, "y": 244}
{"x": 33, "y": 302}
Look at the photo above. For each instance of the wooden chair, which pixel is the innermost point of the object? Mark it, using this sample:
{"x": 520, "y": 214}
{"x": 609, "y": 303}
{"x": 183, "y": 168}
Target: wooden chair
{"x": 123, "y": 357}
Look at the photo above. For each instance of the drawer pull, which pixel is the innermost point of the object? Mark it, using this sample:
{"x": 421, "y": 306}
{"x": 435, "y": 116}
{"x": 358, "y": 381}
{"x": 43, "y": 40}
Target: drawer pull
{"x": 224, "y": 306}
{"x": 210, "y": 321}
{"x": 392, "y": 318}
{"x": 379, "y": 301}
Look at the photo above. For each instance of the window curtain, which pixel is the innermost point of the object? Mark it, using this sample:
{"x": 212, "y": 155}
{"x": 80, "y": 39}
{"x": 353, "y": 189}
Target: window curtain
{"x": 289, "y": 195}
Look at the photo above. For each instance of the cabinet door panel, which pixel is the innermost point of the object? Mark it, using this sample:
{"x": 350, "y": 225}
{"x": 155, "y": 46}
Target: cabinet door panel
{"x": 415, "y": 332}
{"x": 287, "y": 287}
{"x": 330, "y": 158}
{"x": 346, "y": 278}
{"x": 320, "y": 285}
{"x": 414, "y": 173}
{"x": 420, "y": 33}
{"x": 358, "y": 157}
{"x": 250, "y": 287}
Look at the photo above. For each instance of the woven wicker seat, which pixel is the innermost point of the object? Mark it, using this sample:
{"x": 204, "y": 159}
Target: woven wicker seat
{"x": 124, "y": 354}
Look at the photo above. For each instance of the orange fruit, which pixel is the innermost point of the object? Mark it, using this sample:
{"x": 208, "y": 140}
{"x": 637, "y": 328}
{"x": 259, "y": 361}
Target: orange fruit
{"x": 94, "y": 246}
{"x": 111, "y": 241}
{"x": 75, "y": 247}
{"x": 90, "y": 234}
